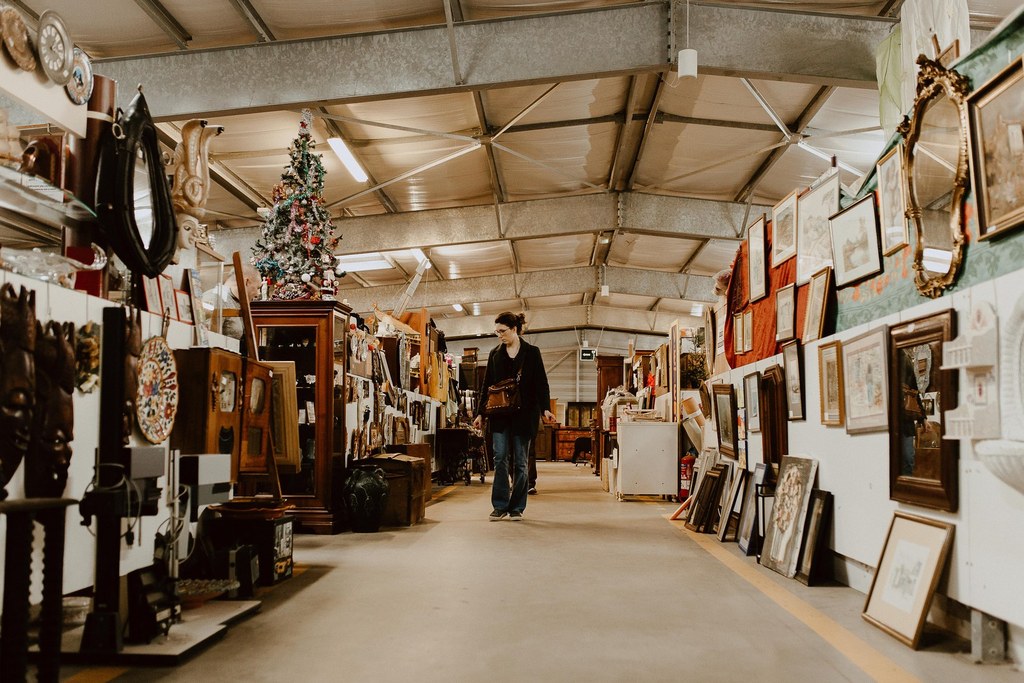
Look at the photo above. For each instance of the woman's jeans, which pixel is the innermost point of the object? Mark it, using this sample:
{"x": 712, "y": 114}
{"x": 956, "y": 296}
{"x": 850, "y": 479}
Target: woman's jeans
{"x": 517, "y": 448}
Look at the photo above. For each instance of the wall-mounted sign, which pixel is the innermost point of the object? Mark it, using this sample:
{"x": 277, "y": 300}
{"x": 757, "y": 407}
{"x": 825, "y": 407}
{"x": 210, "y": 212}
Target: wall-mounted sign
{"x": 588, "y": 354}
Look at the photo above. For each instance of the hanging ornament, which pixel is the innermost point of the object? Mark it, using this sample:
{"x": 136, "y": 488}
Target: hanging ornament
{"x": 306, "y": 277}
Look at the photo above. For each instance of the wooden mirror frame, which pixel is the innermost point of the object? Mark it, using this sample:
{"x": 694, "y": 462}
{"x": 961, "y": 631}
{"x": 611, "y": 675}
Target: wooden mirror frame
{"x": 774, "y": 420}
{"x": 934, "y": 81}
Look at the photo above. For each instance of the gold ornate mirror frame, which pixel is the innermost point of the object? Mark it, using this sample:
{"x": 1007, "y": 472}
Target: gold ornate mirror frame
{"x": 935, "y": 81}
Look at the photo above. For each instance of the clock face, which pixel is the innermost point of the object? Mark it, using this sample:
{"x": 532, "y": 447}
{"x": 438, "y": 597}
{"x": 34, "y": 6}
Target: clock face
{"x": 79, "y": 85}
{"x": 55, "y": 48}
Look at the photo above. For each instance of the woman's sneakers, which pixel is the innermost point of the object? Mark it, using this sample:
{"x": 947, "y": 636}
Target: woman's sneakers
{"x": 515, "y": 516}
{"x": 498, "y": 515}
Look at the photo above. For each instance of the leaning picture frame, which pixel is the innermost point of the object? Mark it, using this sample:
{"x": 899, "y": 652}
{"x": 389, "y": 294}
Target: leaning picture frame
{"x": 168, "y": 304}
{"x": 752, "y": 400}
{"x": 784, "y": 215}
{"x": 792, "y": 361}
{"x": 865, "y": 382}
{"x": 151, "y": 292}
{"x": 757, "y": 281}
{"x": 183, "y": 306}
{"x": 813, "y": 238}
{"x": 785, "y": 313}
{"x": 892, "y": 200}
{"x": 830, "y": 382}
{"x": 725, "y": 418}
{"x": 994, "y": 123}
{"x": 817, "y": 304}
{"x": 912, "y": 561}
{"x": 738, "y": 344}
{"x": 855, "y": 253}
{"x": 783, "y": 536}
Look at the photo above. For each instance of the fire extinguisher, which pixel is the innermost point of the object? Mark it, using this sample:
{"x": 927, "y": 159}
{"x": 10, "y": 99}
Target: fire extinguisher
{"x": 686, "y": 474}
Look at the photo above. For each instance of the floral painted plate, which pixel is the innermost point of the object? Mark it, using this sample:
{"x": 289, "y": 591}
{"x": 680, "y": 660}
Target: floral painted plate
{"x": 156, "y": 401}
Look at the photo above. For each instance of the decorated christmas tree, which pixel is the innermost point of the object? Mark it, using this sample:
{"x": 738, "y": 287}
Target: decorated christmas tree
{"x": 295, "y": 254}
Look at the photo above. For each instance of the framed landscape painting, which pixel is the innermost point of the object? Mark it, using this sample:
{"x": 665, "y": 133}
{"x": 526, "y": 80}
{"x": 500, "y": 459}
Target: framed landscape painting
{"x": 855, "y": 252}
{"x": 756, "y": 274}
{"x": 784, "y": 229}
{"x": 892, "y": 203}
{"x": 865, "y": 382}
{"x": 813, "y": 238}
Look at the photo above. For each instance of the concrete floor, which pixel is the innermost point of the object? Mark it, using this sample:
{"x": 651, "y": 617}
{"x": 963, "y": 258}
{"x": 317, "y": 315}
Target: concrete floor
{"x": 586, "y": 588}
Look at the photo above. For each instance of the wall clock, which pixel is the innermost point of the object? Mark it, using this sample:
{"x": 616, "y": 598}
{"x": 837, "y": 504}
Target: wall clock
{"x": 16, "y": 39}
{"x": 79, "y": 85}
{"x": 55, "y": 47}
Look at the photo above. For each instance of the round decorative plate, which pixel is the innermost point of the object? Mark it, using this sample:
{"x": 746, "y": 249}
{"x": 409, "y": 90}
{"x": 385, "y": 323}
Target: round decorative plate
{"x": 79, "y": 86}
{"x": 16, "y": 39}
{"x": 156, "y": 401}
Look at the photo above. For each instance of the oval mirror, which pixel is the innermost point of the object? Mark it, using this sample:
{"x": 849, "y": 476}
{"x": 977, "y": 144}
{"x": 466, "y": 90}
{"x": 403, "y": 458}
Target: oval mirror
{"x": 936, "y": 161}
{"x": 143, "y": 200}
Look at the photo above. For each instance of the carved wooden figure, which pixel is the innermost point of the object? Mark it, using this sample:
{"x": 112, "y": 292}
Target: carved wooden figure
{"x": 49, "y": 453}
{"x": 17, "y": 378}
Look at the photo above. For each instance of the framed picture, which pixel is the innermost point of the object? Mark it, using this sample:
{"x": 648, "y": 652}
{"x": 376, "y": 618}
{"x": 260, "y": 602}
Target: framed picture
{"x": 814, "y": 560}
{"x": 913, "y": 558}
{"x": 785, "y": 313}
{"x": 673, "y": 370}
{"x": 745, "y": 534}
{"x": 782, "y": 537}
{"x": 725, "y": 418}
{"x": 855, "y": 254}
{"x": 737, "y": 333}
{"x": 830, "y": 382}
{"x": 183, "y": 306}
{"x": 728, "y": 522}
{"x": 865, "y": 382}
{"x": 813, "y": 239}
{"x": 994, "y": 119}
{"x": 284, "y": 409}
{"x": 195, "y": 291}
{"x": 748, "y": 331}
{"x": 168, "y": 305}
{"x": 922, "y": 465}
{"x": 752, "y": 401}
{"x": 704, "y": 511}
{"x": 151, "y": 293}
{"x": 792, "y": 361}
{"x": 709, "y": 339}
{"x": 758, "y": 283}
{"x": 784, "y": 229}
{"x": 892, "y": 200}
{"x": 720, "y": 318}
{"x": 817, "y": 304}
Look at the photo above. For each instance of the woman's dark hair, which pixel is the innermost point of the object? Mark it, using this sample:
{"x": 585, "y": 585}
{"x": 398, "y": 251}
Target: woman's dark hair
{"x": 511, "y": 320}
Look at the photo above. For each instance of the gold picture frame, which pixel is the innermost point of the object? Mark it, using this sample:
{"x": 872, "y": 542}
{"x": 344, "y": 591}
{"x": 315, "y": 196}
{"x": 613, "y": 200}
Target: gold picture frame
{"x": 817, "y": 304}
{"x": 284, "y": 416}
{"x": 830, "y": 383}
{"x": 892, "y": 200}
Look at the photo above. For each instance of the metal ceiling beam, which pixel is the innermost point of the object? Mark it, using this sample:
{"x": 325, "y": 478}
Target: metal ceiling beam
{"x": 167, "y": 23}
{"x": 615, "y": 173}
{"x": 559, "y": 282}
{"x": 617, "y": 40}
{"x": 497, "y": 181}
{"x": 717, "y": 123}
{"x": 579, "y": 317}
{"x": 334, "y": 130}
{"x": 255, "y": 21}
{"x": 652, "y": 113}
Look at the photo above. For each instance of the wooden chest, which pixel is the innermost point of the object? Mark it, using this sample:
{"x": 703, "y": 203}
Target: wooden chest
{"x": 406, "y": 505}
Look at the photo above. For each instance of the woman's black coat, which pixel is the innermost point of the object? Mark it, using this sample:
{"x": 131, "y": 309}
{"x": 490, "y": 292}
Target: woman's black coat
{"x": 533, "y": 388}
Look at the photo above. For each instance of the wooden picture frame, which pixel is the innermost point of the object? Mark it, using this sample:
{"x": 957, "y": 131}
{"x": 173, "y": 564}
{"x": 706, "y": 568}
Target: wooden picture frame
{"x": 813, "y": 238}
{"x": 830, "y": 383}
{"x": 855, "y": 251}
{"x": 746, "y": 534}
{"x": 774, "y": 422}
{"x": 892, "y": 200}
{"x": 818, "y": 293}
{"x": 728, "y": 522}
{"x": 704, "y": 511}
{"x": 725, "y": 419}
{"x": 748, "y": 331}
{"x": 993, "y": 115}
{"x": 757, "y": 275}
{"x": 783, "y": 536}
{"x": 865, "y": 382}
{"x": 284, "y": 416}
{"x": 923, "y": 467}
{"x": 792, "y": 361}
{"x": 151, "y": 295}
{"x": 784, "y": 215}
{"x": 168, "y": 305}
{"x": 752, "y": 400}
{"x": 912, "y": 561}
{"x": 183, "y": 306}
{"x": 815, "y": 565}
{"x": 737, "y": 333}
{"x": 785, "y": 313}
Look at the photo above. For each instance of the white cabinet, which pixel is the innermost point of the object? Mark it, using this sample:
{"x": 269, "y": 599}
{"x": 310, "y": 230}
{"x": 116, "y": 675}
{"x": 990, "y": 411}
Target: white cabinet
{"x": 648, "y": 459}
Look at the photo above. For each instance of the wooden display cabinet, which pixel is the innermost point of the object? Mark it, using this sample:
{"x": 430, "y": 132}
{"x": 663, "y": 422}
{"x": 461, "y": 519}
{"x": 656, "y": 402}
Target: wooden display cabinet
{"x": 211, "y": 386}
{"x": 312, "y": 334}
{"x": 565, "y": 441}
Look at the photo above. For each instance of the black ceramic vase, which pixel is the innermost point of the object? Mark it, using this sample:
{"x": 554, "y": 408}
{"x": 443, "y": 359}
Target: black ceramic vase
{"x": 366, "y": 495}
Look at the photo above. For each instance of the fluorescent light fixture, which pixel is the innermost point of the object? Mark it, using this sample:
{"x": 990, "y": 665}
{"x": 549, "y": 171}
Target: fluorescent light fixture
{"x": 457, "y": 307}
{"x": 343, "y": 152}
{"x": 357, "y": 263}
{"x": 697, "y": 310}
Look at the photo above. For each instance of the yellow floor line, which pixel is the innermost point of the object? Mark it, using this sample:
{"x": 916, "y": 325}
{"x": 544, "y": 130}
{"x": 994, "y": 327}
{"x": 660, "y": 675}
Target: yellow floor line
{"x": 868, "y": 659}
{"x": 96, "y": 675}
{"x": 438, "y": 495}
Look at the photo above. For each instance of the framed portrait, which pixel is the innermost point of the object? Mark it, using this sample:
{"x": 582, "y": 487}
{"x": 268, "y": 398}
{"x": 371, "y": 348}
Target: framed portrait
{"x": 756, "y": 272}
{"x": 738, "y": 345}
{"x": 183, "y": 305}
{"x": 151, "y": 293}
{"x": 830, "y": 382}
{"x": 996, "y": 143}
{"x": 752, "y": 400}
{"x": 817, "y": 304}
{"x": 792, "y": 361}
{"x": 813, "y": 239}
{"x": 748, "y": 330}
{"x": 815, "y": 565}
{"x": 168, "y": 305}
{"x": 725, "y": 418}
{"x": 855, "y": 254}
{"x": 922, "y": 465}
{"x": 784, "y": 229}
{"x": 892, "y": 200}
{"x": 782, "y": 538}
{"x": 913, "y": 558}
{"x": 785, "y": 313}
{"x": 865, "y": 382}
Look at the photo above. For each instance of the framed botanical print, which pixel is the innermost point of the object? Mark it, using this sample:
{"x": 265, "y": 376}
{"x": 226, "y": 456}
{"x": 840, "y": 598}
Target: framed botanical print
{"x": 922, "y": 465}
{"x": 855, "y": 252}
{"x": 996, "y": 141}
{"x": 168, "y": 305}
{"x": 813, "y": 239}
{"x": 781, "y": 550}
{"x": 830, "y": 382}
{"x": 865, "y": 382}
{"x": 748, "y": 330}
{"x": 752, "y": 400}
{"x": 725, "y": 418}
{"x": 738, "y": 345}
{"x": 151, "y": 292}
{"x": 183, "y": 306}
{"x": 793, "y": 363}
{"x": 784, "y": 229}
{"x": 756, "y": 272}
{"x": 785, "y": 313}
{"x": 892, "y": 202}
{"x": 913, "y": 558}
{"x": 817, "y": 304}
